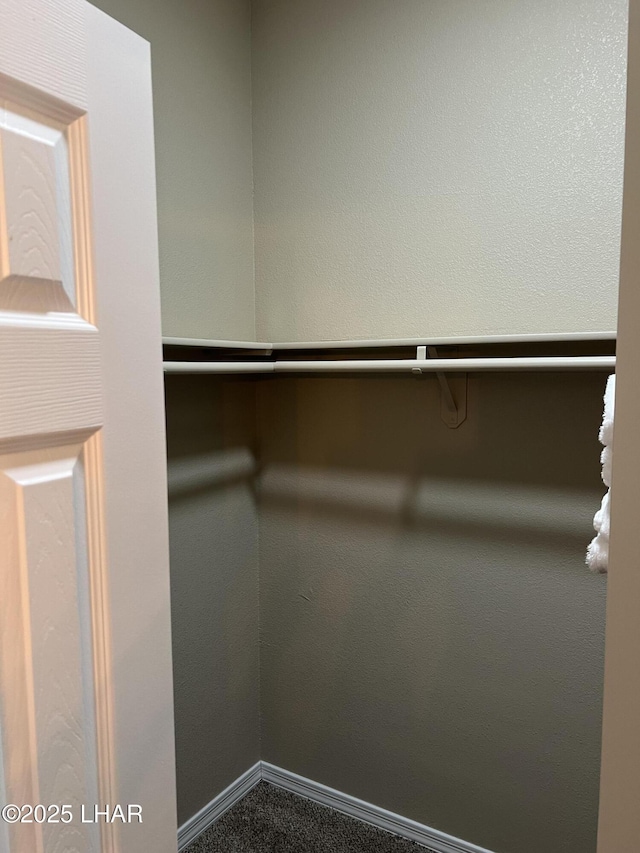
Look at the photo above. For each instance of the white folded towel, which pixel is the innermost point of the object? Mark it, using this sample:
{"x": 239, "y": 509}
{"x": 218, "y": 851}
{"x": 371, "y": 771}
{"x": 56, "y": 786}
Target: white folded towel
{"x": 606, "y": 430}
{"x": 598, "y": 550}
{"x": 606, "y": 457}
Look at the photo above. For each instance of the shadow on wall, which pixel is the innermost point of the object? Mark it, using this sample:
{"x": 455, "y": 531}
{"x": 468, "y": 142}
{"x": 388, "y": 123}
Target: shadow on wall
{"x": 211, "y": 434}
{"x": 213, "y": 537}
{"x": 464, "y": 509}
{"x": 521, "y": 427}
{"x": 209, "y": 413}
{"x": 432, "y": 641}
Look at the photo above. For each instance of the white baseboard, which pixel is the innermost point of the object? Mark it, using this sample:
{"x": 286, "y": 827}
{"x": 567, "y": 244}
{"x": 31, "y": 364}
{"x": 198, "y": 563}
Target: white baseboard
{"x": 208, "y": 815}
{"x": 433, "y": 839}
{"x": 383, "y": 819}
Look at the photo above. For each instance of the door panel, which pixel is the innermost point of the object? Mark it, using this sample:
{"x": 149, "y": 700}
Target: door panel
{"x": 46, "y": 671}
{"x": 50, "y": 374}
{"x": 86, "y": 713}
{"x": 36, "y": 243}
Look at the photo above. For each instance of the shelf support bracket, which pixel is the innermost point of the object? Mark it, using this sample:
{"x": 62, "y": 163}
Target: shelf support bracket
{"x": 453, "y": 391}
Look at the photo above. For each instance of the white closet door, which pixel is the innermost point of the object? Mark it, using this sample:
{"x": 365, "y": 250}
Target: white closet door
{"x": 86, "y": 713}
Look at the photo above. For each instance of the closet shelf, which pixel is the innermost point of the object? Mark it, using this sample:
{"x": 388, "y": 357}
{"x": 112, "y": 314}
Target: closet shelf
{"x": 263, "y": 346}
{"x": 459, "y": 355}
{"x": 215, "y": 344}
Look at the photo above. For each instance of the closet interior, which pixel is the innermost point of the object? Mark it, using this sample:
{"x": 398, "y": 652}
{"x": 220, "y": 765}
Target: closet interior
{"x": 389, "y": 244}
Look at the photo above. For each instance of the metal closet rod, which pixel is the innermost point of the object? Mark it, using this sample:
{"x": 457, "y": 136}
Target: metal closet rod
{"x": 401, "y": 365}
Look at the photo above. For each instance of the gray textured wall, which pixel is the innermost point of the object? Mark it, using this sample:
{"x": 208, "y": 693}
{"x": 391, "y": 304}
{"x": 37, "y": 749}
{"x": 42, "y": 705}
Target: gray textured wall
{"x": 213, "y": 530}
{"x": 437, "y": 167}
{"x": 201, "y": 65}
{"x": 431, "y": 639}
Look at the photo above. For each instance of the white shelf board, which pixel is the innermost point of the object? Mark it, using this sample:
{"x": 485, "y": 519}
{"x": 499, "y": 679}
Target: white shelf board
{"x": 212, "y": 344}
{"x": 450, "y": 341}
{"x": 393, "y": 342}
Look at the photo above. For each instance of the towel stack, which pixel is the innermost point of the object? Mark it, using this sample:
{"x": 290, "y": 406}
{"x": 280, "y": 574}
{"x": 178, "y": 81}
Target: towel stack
{"x": 598, "y": 550}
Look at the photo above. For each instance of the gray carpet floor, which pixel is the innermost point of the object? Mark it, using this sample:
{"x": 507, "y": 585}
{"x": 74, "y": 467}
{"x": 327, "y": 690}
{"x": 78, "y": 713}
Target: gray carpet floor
{"x": 270, "y": 820}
